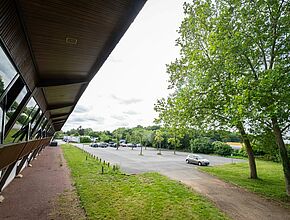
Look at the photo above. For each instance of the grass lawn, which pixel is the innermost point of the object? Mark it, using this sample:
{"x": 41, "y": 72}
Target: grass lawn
{"x": 270, "y": 184}
{"x": 9, "y": 138}
{"x": 114, "y": 195}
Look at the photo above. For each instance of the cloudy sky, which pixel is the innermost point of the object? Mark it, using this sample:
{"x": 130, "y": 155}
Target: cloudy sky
{"x": 123, "y": 92}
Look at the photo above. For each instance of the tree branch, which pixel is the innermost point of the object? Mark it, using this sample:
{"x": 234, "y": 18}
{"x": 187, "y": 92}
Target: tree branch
{"x": 264, "y": 55}
{"x": 251, "y": 65}
{"x": 285, "y": 128}
{"x": 275, "y": 21}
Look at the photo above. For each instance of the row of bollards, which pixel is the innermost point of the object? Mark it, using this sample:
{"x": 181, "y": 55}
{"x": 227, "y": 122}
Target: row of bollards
{"x": 104, "y": 163}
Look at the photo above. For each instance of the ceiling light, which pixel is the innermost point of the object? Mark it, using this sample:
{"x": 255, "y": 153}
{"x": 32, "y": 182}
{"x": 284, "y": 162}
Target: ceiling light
{"x": 70, "y": 40}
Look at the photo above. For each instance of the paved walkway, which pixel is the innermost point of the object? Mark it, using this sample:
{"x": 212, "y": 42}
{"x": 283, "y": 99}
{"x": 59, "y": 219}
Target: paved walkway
{"x": 238, "y": 203}
{"x": 33, "y": 196}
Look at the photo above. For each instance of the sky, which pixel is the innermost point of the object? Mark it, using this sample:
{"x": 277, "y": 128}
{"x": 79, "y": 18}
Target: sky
{"x": 124, "y": 91}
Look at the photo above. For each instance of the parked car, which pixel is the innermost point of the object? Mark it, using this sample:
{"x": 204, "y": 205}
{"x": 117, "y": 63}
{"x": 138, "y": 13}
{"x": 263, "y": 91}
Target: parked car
{"x": 103, "y": 144}
{"x": 94, "y": 144}
{"x": 131, "y": 145}
{"x": 197, "y": 159}
{"x": 123, "y": 144}
{"x": 53, "y": 143}
{"x": 112, "y": 144}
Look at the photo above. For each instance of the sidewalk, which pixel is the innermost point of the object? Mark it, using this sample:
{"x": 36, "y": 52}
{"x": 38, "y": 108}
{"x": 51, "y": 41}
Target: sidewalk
{"x": 34, "y": 195}
{"x": 236, "y": 202}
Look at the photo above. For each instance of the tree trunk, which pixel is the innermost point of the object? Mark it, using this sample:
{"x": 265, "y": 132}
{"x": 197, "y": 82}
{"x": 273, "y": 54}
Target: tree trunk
{"x": 249, "y": 149}
{"x": 283, "y": 153}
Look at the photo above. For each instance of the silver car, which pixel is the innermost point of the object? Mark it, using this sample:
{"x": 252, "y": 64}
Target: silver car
{"x": 196, "y": 159}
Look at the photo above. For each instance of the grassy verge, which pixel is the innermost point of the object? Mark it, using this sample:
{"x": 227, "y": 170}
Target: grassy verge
{"x": 113, "y": 195}
{"x": 270, "y": 184}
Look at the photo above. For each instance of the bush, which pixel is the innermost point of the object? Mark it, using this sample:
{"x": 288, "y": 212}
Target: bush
{"x": 222, "y": 149}
{"x": 85, "y": 140}
{"x": 201, "y": 145}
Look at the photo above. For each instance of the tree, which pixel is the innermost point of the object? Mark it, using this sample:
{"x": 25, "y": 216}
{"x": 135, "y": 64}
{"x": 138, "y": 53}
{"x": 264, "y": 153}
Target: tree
{"x": 159, "y": 138}
{"x": 174, "y": 141}
{"x": 206, "y": 96}
{"x": 201, "y": 145}
{"x": 148, "y": 137}
{"x": 234, "y": 68}
{"x": 104, "y": 137}
{"x": 81, "y": 131}
{"x": 221, "y": 148}
{"x": 257, "y": 45}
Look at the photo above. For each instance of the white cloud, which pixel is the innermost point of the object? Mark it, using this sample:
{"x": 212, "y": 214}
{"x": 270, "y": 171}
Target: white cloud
{"x": 125, "y": 89}
{"x": 126, "y": 101}
{"x": 130, "y": 112}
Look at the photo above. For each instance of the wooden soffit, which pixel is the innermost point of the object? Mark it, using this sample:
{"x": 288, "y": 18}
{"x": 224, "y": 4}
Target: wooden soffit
{"x": 69, "y": 41}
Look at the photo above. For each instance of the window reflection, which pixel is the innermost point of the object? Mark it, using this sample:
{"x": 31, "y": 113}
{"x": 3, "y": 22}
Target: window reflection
{"x": 16, "y": 103}
{"x": 1, "y": 117}
{"x": 7, "y": 71}
{"x": 18, "y": 124}
{"x": 36, "y": 119}
{"x": 28, "y": 112}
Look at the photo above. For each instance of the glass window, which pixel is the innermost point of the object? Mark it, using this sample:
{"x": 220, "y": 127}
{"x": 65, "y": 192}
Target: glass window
{"x": 16, "y": 103}
{"x": 43, "y": 124}
{"x": 36, "y": 119}
{"x": 18, "y": 125}
{"x": 28, "y": 112}
{"x": 7, "y": 71}
{"x": 1, "y": 117}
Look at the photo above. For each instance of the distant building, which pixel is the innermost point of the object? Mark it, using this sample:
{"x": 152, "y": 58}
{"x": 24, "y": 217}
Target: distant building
{"x": 74, "y": 139}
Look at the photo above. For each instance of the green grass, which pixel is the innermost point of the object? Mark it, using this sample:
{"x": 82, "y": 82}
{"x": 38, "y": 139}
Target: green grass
{"x": 270, "y": 184}
{"x": 114, "y": 195}
{"x": 9, "y": 138}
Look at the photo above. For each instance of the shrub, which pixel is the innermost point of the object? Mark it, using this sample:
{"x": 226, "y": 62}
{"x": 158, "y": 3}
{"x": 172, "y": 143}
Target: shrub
{"x": 85, "y": 140}
{"x": 222, "y": 149}
{"x": 201, "y": 145}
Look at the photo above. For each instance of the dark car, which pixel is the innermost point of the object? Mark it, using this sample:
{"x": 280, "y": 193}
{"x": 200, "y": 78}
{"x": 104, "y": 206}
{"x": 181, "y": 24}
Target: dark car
{"x": 112, "y": 144}
{"x": 53, "y": 143}
{"x": 103, "y": 145}
{"x": 196, "y": 159}
{"x": 94, "y": 145}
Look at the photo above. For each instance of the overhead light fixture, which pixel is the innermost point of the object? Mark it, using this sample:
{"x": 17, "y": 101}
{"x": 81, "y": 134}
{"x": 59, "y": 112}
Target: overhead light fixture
{"x": 71, "y": 40}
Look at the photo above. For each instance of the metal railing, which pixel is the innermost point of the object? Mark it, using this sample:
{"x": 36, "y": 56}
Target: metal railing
{"x": 15, "y": 157}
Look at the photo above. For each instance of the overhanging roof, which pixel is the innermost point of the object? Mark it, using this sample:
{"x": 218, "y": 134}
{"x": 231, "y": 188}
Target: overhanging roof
{"x": 68, "y": 42}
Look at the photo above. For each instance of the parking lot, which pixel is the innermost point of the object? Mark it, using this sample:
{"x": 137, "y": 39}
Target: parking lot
{"x": 234, "y": 201}
{"x": 168, "y": 163}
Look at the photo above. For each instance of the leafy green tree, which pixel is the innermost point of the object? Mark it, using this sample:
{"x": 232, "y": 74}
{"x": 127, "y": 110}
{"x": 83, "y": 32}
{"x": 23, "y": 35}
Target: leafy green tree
{"x": 235, "y": 57}
{"x": 87, "y": 131}
{"x": 104, "y": 137}
{"x": 206, "y": 94}
{"x": 85, "y": 139}
{"x": 201, "y": 145}
{"x": 148, "y": 137}
{"x": 222, "y": 149}
{"x": 81, "y": 131}
{"x": 254, "y": 40}
{"x": 159, "y": 138}
{"x": 174, "y": 141}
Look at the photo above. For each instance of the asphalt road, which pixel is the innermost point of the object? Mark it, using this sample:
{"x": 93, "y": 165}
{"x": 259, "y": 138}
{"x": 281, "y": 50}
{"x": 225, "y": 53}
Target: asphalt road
{"x": 169, "y": 164}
